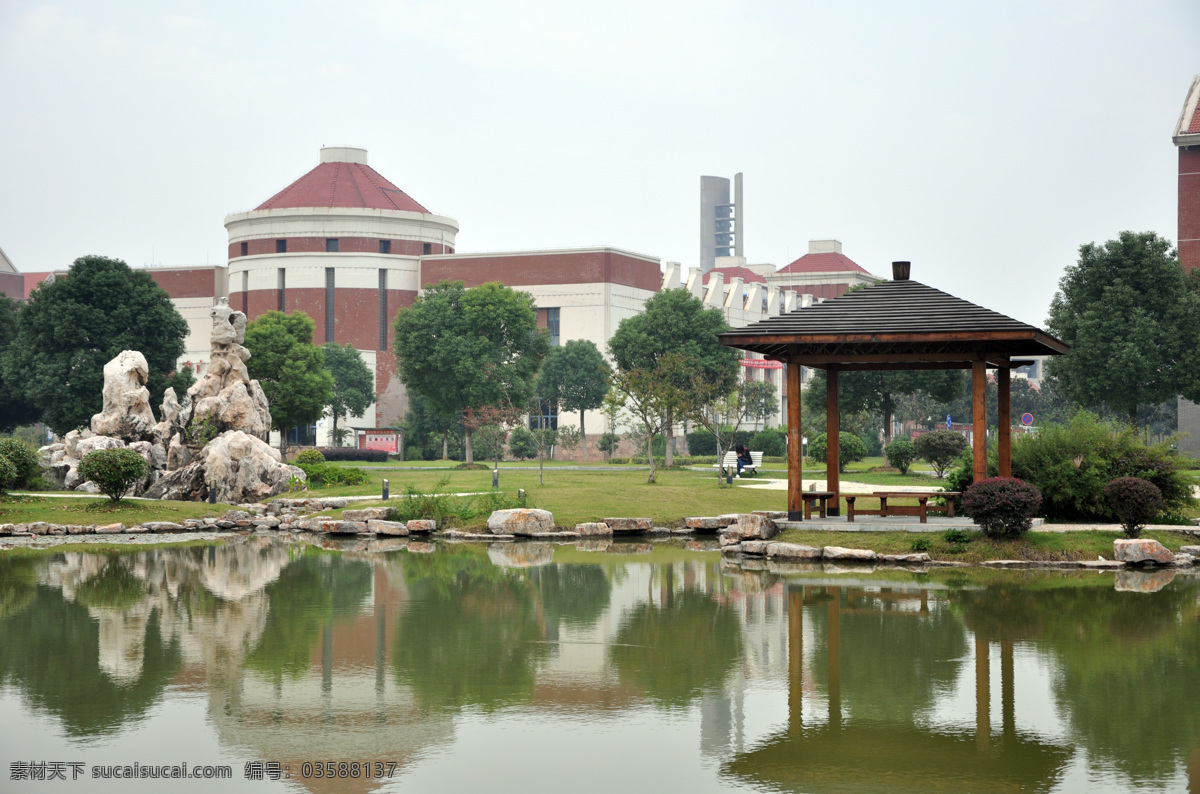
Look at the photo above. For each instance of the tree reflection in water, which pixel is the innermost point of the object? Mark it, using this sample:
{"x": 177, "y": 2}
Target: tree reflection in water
{"x": 50, "y": 650}
{"x": 470, "y": 634}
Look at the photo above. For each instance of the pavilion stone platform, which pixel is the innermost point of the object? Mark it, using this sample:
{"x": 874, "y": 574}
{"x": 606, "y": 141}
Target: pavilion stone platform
{"x": 863, "y": 523}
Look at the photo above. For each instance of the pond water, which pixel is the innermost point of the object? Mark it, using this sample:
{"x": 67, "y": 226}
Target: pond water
{"x": 640, "y": 667}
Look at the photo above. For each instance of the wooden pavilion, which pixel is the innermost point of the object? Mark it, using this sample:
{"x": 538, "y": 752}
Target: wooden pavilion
{"x": 895, "y": 325}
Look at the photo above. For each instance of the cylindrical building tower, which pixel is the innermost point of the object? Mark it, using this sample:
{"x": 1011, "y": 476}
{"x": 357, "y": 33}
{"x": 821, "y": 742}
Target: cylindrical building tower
{"x": 343, "y": 245}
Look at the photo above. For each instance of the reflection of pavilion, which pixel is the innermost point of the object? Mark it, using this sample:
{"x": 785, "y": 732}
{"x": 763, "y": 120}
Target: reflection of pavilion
{"x": 888, "y": 753}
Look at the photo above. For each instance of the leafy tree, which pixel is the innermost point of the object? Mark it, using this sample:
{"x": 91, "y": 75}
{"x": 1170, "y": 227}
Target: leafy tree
{"x": 878, "y": 391}
{"x": 647, "y": 393}
{"x": 721, "y": 412}
{"x": 290, "y": 369}
{"x": 521, "y": 444}
{"x": 73, "y": 326}
{"x": 940, "y": 448}
{"x": 761, "y": 400}
{"x": 851, "y": 448}
{"x": 431, "y": 432}
{"x": 1132, "y": 320}
{"x": 15, "y": 409}
{"x": 676, "y": 323}
{"x": 569, "y": 438}
{"x": 470, "y": 348}
{"x": 353, "y": 384}
{"x": 576, "y": 377}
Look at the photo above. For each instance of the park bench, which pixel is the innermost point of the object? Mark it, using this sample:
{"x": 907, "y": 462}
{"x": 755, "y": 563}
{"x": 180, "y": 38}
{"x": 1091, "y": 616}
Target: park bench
{"x": 730, "y": 462}
{"x": 920, "y": 509}
{"x": 820, "y": 499}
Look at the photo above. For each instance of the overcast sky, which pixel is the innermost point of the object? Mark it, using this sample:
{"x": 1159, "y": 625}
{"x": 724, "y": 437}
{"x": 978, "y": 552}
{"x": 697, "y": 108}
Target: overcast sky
{"x": 984, "y": 142}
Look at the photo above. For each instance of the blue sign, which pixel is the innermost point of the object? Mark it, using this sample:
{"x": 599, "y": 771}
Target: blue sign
{"x": 1027, "y": 419}
{"x": 949, "y": 424}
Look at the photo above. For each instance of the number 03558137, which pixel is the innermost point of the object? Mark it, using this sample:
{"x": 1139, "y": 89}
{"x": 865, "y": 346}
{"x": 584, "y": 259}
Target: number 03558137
{"x": 347, "y": 769}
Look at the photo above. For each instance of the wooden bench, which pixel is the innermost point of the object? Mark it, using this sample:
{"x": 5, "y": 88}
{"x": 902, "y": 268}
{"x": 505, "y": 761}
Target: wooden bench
{"x": 921, "y": 509}
{"x": 730, "y": 462}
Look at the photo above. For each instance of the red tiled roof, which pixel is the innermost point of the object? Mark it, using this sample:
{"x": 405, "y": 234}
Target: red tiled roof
{"x": 351, "y": 185}
{"x": 1195, "y": 125}
{"x": 823, "y": 263}
{"x": 744, "y": 273}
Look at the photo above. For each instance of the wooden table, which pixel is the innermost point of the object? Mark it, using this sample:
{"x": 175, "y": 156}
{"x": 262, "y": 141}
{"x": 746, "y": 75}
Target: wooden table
{"x": 820, "y": 498}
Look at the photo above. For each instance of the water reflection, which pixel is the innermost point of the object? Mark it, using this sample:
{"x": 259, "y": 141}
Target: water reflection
{"x": 943, "y": 681}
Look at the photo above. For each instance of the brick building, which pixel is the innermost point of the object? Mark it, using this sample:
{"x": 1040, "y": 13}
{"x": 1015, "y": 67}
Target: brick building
{"x": 1187, "y": 139}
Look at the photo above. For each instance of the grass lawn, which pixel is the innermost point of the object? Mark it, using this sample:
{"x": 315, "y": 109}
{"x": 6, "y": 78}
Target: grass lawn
{"x": 28, "y": 509}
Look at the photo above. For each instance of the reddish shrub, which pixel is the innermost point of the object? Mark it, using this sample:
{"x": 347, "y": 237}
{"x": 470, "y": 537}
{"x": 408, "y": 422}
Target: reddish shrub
{"x": 1002, "y": 506}
{"x": 1134, "y": 501}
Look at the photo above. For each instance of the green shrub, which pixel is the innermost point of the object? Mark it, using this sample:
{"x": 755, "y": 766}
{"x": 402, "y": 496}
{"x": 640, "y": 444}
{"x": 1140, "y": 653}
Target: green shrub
{"x": 1002, "y": 506}
{"x": 1071, "y": 464}
{"x": 448, "y": 510}
{"x": 522, "y": 445}
{"x": 329, "y": 474}
{"x": 22, "y": 456}
{"x": 900, "y": 454}
{"x": 920, "y": 544}
{"x": 940, "y": 448}
{"x": 851, "y": 448}
{"x": 114, "y": 471}
{"x": 309, "y": 457}
{"x": 956, "y": 536}
{"x": 608, "y": 443}
{"x": 1135, "y": 502}
{"x": 8, "y": 473}
{"x": 413, "y": 453}
{"x": 354, "y": 454}
{"x": 770, "y": 442}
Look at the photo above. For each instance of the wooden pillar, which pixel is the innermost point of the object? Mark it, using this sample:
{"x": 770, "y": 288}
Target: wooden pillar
{"x": 979, "y": 417}
{"x": 795, "y": 447}
{"x": 1004, "y": 419}
{"x": 832, "y": 448}
{"x": 795, "y": 608}
{"x": 983, "y": 695}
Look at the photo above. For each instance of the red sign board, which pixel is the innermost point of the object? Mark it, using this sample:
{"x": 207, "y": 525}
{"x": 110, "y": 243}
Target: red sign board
{"x": 761, "y": 363}
{"x": 388, "y": 441}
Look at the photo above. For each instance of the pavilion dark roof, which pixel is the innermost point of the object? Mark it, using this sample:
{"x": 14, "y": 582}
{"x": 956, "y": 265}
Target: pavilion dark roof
{"x": 900, "y": 318}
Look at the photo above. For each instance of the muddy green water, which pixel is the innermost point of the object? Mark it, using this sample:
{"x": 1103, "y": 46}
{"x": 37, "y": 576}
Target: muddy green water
{"x": 635, "y": 668}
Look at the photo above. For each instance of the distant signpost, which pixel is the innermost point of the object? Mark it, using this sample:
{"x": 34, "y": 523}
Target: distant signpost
{"x": 1027, "y": 419}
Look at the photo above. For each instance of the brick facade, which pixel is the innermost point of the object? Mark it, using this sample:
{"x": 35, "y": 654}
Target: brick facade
{"x": 198, "y": 282}
{"x": 566, "y": 267}
{"x": 12, "y": 285}
{"x": 1189, "y": 206}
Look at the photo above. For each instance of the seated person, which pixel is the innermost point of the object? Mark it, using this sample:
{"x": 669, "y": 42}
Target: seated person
{"x": 743, "y": 459}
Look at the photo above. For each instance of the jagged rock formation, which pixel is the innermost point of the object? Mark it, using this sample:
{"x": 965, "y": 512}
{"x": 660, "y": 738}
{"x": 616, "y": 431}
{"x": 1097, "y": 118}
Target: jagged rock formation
{"x": 214, "y": 444}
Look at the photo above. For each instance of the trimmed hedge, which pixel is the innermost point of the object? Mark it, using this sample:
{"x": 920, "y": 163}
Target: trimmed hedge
{"x": 1135, "y": 502}
{"x": 333, "y": 475}
{"x": 355, "y": 454}
{"x": 309, "y": 457}
{"x": 900, "y": 454}
{"x": 8, "y": 473}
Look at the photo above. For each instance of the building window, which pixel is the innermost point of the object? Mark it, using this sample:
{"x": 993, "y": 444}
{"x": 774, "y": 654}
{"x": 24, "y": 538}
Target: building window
{"x": 329, "y": 318}
{"x": 449, "y": 250}
{"x": 302, "y": 436}
{"x": 245, "y": 249}
{"x": 282, "y": 288}
{"x": 546, "y": 417}
{"x": 245, "y": 291}
{"x": 552, "y": 325}
{"x": 427, "y": 249}
{"x": 281, "y": 246}
{"x": 385, "y": 246}
{"x": 383, "y": 309}
{"x": 331, "y": 245}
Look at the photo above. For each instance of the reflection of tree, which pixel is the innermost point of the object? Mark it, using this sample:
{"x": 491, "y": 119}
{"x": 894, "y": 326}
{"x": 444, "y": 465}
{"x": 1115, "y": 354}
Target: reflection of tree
{"x": 470, "y": 634}
{"x": 115, "y": 587}
{"x": 575, "y": 595}
{"x": 18, "y": 583}
{"x": 50, "y": 651}
{"x": 674, "y": 652}
{"x": 893, "y": 663}
{"x": 309, "y": 593}
{"x": 1129, "y": 667}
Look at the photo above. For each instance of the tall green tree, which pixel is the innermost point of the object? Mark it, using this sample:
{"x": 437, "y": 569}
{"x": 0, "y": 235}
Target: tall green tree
{"x": 290, "y": 369}
{"x": 73, "y": 326}
{"x": 879, "y": 391}
{"x": 464, "y": 350}
{"x": 1132, "y": 320}
{"x": 576, "y": 377}
{"x": 15, "y": 409}
{"x": 674, "y": 322}
{"x": 353, "y": 384}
